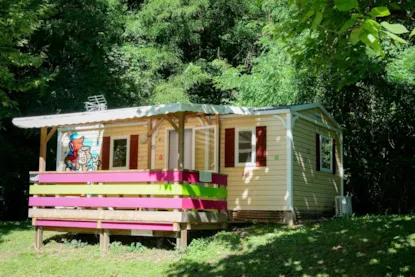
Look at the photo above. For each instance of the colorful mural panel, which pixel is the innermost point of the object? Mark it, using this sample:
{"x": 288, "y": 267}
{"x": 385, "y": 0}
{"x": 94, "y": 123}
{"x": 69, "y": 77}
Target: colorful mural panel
{"x": 80, "y": 151}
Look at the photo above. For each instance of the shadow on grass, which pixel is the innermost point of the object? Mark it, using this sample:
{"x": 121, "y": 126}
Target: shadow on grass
{"x": 148, "y": 242}
{"x": 12, "y": 226}
{"x": 368, "y": 246}
{"x": 93, "y": 239}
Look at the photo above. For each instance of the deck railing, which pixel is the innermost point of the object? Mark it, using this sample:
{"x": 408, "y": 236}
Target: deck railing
{"x": 157, "y": 201}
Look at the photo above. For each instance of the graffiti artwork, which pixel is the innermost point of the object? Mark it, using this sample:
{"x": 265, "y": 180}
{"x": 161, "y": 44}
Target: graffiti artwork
{"x": 80, "y": 157}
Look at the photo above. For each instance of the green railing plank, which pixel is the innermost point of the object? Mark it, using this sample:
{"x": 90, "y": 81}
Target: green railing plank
{"x": 114, "y": 189}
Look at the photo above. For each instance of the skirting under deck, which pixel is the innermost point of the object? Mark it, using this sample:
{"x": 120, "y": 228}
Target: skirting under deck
{"x": 104, "y": 225}
{"x": 132, "y": 216}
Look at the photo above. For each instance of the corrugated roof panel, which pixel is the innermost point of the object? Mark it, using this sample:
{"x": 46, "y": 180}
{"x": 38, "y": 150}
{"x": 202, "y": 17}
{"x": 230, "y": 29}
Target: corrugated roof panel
{"x": 125, "y": 113}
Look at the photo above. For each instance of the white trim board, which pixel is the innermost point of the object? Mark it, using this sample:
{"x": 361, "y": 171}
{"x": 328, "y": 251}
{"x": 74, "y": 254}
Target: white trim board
{"x": 341, "y": 166}
{"x": 312, "y": 120}
{"x": 289, "y": 136}
{"x": 58, "y": 150}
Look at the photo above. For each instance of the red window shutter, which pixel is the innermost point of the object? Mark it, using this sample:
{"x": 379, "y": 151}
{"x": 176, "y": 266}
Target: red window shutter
{"x": 334, "y": 156}
{"x": 317, "y": 152}
{"x": 230, "y": 147}
{"x": 133, "y": 152}
{"x": 105, "y": 153}
{"x": 261, "y": 146}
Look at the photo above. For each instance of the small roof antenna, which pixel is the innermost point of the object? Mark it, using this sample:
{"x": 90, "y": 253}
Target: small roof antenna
{"x": 96, "y": 103}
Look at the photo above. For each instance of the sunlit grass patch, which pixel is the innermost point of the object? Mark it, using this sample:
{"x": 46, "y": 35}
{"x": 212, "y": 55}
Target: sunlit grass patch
{"x": 364, "y": 246}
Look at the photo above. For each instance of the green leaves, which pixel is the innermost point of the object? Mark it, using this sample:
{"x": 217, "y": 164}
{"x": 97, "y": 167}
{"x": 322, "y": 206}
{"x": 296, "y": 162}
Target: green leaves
{"x": 379, "y": 12}
{"x": 349, "y": 23}
{"x": 412, "y": 33}
{"x": 346, "y": 5}
{"x": 372, "y": 27}
{"x": 394, "y": 28}
{"x": 395, "y": 37}
{"x": 354, "y": 35}
{"x": 371, "y": 40}
{"x": 307, "y": 16}
{"x": 317, "y": 20}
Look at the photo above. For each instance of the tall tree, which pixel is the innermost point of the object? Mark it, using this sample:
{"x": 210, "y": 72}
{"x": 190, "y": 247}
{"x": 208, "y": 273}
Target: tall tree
{"x": 18, "y": 20}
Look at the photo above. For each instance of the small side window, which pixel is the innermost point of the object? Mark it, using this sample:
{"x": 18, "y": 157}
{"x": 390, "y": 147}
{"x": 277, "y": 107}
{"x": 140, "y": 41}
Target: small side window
{"x": 119, "y": 153}
{"x": 326, "y": 154}
{"x": 245, "y": 147}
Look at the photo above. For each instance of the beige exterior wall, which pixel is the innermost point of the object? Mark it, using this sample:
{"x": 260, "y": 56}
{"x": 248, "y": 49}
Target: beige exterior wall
{"x": 258, "y": 188}
{"x": 253, "y": 188}
{"x": 313, "y": 191}
{"x": 122, "y": 131}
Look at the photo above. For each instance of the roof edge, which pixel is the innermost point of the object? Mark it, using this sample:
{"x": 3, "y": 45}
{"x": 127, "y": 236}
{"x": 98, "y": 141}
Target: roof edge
{"x": 315, "y": 105}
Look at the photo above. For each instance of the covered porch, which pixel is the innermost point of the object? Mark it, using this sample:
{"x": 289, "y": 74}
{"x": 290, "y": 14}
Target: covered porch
{"x": 128, "y": 193}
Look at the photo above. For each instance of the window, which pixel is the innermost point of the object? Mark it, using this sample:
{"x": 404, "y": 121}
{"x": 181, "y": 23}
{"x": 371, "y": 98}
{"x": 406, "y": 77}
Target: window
{"x": 119, "y": 152}
{"x": 245, "y": 147}
{"x": 326, "y": 154}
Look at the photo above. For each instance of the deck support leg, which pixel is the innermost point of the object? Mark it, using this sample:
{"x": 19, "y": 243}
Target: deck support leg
{"x": 104, "y": 240}
{"x": 289, "y": 218}
{"x": 181, "y": 241}
{"x": 38, "y": 237}
{"x": 160, "y": 242}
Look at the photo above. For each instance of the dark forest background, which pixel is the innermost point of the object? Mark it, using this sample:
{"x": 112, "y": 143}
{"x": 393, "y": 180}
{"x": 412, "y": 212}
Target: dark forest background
{"x": 356, "y": 58}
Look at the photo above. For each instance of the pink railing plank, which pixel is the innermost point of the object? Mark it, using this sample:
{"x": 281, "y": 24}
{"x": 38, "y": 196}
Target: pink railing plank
{"x": 137, "y": 226}
{"x": 193, "y": 177}
{"x": 64, "y": 223}
{"x": 203, "y": 204}
{"x": 127, "y": 177}
{"x": 105, "y": 225}
{"x": 112, "y": 177}
{"x": 128, "y": 202}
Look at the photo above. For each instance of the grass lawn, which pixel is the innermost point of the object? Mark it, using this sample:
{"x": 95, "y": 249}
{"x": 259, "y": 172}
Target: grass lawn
{"x": 360, "y": 246}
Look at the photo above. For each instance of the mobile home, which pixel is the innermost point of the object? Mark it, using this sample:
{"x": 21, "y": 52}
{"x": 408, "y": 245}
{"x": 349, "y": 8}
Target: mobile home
{"x": 165, "y": 169}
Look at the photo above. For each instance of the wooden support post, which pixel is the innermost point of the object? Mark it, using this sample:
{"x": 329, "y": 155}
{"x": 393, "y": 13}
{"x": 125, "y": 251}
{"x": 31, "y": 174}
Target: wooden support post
{"x": 104, "y": 240}
{"x": 181, "y": 242}
{"x": 38, "y": 238}
{"x": 149, "y": 143}
{"x": 217, "y": 121}
{"x": 42, "y": 167}
{"x": 181, "y": 117}
{"x": 43, "y": 148}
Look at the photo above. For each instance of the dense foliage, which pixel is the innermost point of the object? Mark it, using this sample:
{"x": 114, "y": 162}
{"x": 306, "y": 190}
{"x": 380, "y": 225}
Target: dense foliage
{"x": 355, "y": 57}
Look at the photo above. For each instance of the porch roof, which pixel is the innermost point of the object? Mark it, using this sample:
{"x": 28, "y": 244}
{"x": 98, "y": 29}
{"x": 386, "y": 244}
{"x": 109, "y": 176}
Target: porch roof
{"x": 135, "y": 112}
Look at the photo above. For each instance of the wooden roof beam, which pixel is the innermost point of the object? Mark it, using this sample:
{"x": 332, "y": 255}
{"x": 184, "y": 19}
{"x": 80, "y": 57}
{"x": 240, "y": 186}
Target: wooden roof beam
{"x": 205, "y": 119}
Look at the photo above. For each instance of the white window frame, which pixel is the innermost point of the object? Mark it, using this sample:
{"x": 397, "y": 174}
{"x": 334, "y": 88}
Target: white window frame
{"x": 216, "y": 150}
{"x": 127, "y": 164}
{"x": 330, "y": 170}
{"x": 167, "y": 144}
{"x": 253, "y": 143}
